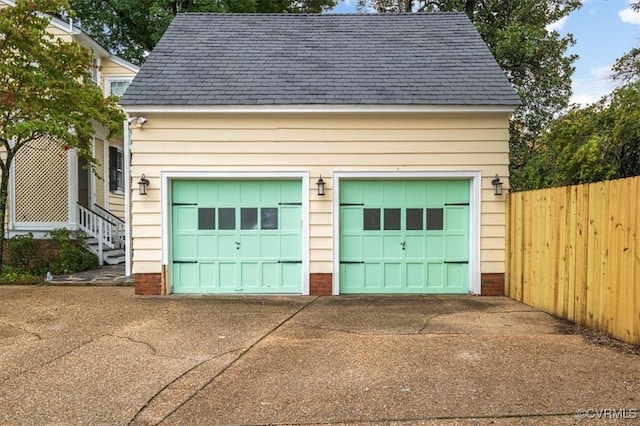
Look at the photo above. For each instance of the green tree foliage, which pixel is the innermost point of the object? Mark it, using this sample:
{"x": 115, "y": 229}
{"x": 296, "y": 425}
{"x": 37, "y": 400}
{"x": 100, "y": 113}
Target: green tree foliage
{"x": 627, "y": 68}
{"x": 598, "y": 142}
{"x": 131, "y": 28}
{"x": 534, "y": 59}
{"x": 45, "y": 89}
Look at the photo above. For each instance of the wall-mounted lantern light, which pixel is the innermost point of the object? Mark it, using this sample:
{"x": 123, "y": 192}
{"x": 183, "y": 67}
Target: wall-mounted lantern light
{"x": 497, "y": 185}
{"x": 142, "y": 185}
{"x": 320, "y": 184}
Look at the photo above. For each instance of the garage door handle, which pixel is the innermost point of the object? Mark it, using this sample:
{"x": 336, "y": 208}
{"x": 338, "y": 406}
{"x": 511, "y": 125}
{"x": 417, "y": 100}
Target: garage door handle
{"x": 185, "y": 261}
{"x": 237, "y": 245}
{"x": 351, "y": 262}
{"x": 289, "y": 261}
{"x": 456, "y": 261}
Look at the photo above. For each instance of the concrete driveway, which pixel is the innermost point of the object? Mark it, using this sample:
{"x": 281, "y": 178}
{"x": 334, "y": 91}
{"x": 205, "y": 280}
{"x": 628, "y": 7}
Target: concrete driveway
{"x": 100, "y": 355}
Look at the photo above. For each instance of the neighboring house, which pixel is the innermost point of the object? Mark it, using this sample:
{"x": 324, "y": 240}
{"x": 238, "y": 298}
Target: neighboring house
{"x": 403, "y": 117}
{"x": 52, "y": 188}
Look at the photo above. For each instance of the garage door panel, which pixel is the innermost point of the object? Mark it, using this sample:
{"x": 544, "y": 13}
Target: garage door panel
{"x": 457, "y": 219}
{"x": 435, "y": 247}
{"x": 435, "y": 275}
{"x": 371, "y": 248}
{"x": 392, "y": 275}
{"x": 185, "y": 218}
{"x": 392, "y": 246}
{"x": 227, "y": 247}
{"x": 353, "y": 246}
{"x": 290, "y": 276}
{"x": 250, "y": 246}
{"x": 457, "y": 191}
{"x": 227, "y": 274}
{"x": 290, "y": 248}
{"x": 457, "y": 276}
{"x": 416, "y": 193}
{"x": 269, "y": 272}
{"x": 415, "y": 273}
{"x": 208, "y": 274}
{"x": 352, "y": 276}
{"x": 436, "y": 194}
{"x": 186, "y": 272}
{"x": 184, "y": 193}
{"x": 207, "y": 193}
{"x": 207, "y": 247}
{"x": 267, "y": 244}
{"x": 185, "y": 247}
{"x": 415, "y": 247}
{"x": 229, "y": 193}
{"x": 457, "y": 247}
{"x": 410, "y": 229}
{"x": 249, "y": 274}
{"x": 393, "y": 193}
{"x": 290, "y": 218}
{"x": 246, "y": 235}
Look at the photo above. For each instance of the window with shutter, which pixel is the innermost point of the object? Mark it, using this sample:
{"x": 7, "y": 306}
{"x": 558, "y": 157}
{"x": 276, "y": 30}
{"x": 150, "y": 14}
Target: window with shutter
{"x": 116, "y": 169}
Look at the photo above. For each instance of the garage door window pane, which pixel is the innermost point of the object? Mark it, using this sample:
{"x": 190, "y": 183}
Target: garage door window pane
{"x": 415, "y": 219}
{"x": 227, "y": 219}
{"x": 269, "y": 218}
{"x": 249, "y": 218}
{"x": 207, "y": 218}
{"x": 435, "y": 220}
{"x": 371, "y": 219}
{"x": 391, "y": 219}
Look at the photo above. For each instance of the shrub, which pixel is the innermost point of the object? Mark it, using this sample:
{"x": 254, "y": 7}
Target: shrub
{"x": 28, "y": 258}
{"x": 22, "y": 251}
{"x": 73, "y": 255}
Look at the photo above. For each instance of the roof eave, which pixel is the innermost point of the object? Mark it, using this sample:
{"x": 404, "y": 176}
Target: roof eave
{"x": 295, "y": 109}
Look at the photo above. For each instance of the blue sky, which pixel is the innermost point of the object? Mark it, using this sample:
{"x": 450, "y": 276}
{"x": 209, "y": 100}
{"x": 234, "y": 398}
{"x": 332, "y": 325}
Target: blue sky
{"x": 604, "y": 30}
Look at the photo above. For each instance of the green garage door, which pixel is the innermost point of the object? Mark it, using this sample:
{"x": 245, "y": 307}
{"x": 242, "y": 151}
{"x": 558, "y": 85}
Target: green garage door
{"x": 404, "y": 236}
{"x": 236, "y": 236}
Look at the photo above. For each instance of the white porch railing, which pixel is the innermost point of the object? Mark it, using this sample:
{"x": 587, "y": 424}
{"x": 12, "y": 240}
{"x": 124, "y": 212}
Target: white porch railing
{"x": 108, "y": 233}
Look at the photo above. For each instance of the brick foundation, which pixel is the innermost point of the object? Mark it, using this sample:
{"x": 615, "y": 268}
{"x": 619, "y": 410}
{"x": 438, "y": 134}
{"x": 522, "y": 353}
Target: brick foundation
{"x": 492, "y": 285}
{"x": 320, "y": 284}
{"x": 148, "y": 284}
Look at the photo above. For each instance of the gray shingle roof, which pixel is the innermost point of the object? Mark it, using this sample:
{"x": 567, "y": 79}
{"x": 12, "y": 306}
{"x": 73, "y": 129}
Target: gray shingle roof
{"x": 290, "y": 59}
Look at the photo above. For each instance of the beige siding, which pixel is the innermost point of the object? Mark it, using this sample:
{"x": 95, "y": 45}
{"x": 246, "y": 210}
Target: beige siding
{"x": 116, "y": 204}
{"x": 111, "y": 68}
{"x": 320, "y": 145}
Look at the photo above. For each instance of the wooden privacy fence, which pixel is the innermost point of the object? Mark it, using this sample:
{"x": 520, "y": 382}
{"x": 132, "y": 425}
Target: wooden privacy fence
{"x": 574, "y": 252}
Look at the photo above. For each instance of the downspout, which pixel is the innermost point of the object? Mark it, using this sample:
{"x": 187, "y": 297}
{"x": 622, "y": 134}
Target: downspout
{"x": 12, "y": 195}
{"x": 127, "y": 197}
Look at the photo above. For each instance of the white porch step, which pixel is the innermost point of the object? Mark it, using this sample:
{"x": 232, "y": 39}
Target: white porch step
{"x": 109, "y": 256}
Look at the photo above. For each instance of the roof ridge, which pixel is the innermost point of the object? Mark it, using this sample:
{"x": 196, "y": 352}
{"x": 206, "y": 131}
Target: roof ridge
{"x": 328, "y": 14}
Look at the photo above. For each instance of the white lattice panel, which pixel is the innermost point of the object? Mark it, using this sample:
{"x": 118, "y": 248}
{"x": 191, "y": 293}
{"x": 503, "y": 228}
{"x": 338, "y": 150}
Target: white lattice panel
{"x": 41, "y": 177}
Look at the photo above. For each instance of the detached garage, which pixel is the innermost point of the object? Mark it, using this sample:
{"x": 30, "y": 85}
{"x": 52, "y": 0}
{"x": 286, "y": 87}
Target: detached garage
{"x": 319, "y": 154}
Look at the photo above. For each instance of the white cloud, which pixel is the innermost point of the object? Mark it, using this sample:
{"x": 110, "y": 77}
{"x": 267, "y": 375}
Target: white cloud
{"x": 558, "y": 25}
{"x": 629, "y": 16}
{"x": 592, "y": 88}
